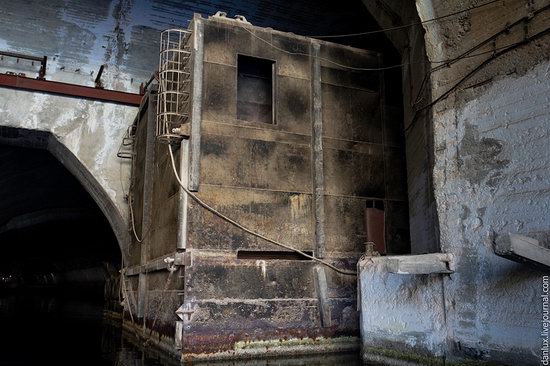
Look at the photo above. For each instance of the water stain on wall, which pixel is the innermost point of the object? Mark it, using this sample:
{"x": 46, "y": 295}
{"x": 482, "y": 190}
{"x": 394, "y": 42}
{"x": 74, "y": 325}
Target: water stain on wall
{"x": 479, "y": 158}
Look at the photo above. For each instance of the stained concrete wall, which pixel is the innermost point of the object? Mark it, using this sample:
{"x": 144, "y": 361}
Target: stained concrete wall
{"x": 490, "y": 178}
{"x": 260, "y": 175}
{"x": 489, "y": 310}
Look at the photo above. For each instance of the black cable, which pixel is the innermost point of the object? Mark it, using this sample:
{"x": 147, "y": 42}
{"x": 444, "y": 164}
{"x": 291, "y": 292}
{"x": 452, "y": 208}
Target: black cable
{"x": 466, "y": 54}
{"x": 474, "y": 71}
{"x": 408, "y": 25}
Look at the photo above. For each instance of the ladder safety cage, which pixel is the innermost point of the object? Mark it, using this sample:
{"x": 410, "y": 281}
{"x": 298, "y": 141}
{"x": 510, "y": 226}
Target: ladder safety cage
{"x": 174, "y": 92}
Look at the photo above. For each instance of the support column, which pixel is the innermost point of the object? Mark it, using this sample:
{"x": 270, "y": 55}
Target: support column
{"x": 317, "y": 150}
{"x": 182, "y": 213}
{"x": 196, "y": 102}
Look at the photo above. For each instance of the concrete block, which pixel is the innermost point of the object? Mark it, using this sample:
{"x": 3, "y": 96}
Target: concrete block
{"x": 401, "y": 316}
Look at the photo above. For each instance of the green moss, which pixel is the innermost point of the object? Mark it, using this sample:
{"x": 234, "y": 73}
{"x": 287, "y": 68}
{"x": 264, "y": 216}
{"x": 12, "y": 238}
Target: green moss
{"x": 424, "y": 360}
{"x": 471, "y": 363}
{"x": 406, "y": 356}
{"x": 295, "y": 342}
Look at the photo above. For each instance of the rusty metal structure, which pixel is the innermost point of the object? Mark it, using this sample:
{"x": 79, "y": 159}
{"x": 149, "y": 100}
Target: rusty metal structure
{"x": 40, "y": 84}
{"x": 69, "y": 90}
{"x": 202, "y": 288}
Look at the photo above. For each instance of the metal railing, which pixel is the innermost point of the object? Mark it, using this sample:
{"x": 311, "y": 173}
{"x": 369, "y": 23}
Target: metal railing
{"x": 174, "y": 93}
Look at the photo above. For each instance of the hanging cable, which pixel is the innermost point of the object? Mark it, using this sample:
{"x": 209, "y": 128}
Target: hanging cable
{"x": 235, "y": 223}
{"x": 474, "y": 71}
{"x": 468, "y": 53}
{"x": 443, "y": 63}
{"x": 322, "y": 58}
{"x": 130, "y": 203}
{"x": 408, "y": 25}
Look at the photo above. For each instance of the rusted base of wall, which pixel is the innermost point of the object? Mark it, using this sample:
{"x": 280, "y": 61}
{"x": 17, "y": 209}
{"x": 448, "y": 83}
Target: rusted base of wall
{"x": 280, "y": 348}
{"x": 164, "y": 347}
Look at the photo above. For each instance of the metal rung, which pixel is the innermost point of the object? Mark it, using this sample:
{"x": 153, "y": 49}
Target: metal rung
{"x": 174, "y": 82}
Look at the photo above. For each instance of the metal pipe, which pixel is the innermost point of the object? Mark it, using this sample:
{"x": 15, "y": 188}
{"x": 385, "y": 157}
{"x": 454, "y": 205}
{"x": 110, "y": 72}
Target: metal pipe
{"x": 21, "y": 55}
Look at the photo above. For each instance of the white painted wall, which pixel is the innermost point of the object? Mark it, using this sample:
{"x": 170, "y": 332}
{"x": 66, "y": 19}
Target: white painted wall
{"x": 491, "y": 177}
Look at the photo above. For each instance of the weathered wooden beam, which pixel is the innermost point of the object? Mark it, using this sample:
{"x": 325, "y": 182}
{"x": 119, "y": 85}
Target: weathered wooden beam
{"x": 317, "y": 150}
{"x": 420, "y": 264}
{"x": 196, "y": 103}
{"x": 523, "y": 249}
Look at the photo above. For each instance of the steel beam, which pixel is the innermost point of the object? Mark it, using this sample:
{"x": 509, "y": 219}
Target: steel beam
{"x": 69, "y": 90}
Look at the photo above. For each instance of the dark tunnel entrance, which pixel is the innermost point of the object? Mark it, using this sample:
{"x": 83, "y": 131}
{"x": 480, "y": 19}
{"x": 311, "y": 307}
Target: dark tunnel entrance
{"x": 58, "y": 251}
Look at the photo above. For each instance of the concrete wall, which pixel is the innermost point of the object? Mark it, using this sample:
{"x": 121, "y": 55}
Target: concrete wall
{"x": 490, "y": 178}
{"x": 155, "y": 198}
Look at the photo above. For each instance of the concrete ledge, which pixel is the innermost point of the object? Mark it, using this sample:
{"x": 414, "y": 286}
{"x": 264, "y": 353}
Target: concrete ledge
{"x": 433, "y": 263}
{"x": 403, "y": 316}
{"x": 420, "y": 264}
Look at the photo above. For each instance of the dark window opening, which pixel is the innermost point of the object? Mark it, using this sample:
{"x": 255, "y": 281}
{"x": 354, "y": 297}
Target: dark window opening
{"x": 255, "y": 89}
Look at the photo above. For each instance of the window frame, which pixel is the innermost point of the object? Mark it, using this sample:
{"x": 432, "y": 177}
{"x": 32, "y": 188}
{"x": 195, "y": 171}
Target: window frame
{"x": 274, "y": 68}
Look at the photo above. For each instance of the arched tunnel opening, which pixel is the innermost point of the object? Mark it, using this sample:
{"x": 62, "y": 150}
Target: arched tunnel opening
{"x": 58, "y": 254}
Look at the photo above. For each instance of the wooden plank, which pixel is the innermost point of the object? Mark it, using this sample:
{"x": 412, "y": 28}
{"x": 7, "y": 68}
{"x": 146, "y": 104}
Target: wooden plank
{"x": 523, "y": 249}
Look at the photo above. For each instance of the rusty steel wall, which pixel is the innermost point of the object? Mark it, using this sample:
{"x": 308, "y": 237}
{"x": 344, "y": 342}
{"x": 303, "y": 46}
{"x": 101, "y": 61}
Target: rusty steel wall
{"x": 151, "y": 292}
{"x": 263, "y": 176}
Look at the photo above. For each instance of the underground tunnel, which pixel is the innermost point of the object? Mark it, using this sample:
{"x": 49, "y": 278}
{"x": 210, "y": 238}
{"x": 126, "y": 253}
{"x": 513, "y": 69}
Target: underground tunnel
{"x": 59, "y": 261}
{"x": 272, "y": 182}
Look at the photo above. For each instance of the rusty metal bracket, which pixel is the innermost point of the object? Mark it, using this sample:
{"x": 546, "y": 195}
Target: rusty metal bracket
{"x": 167, "y": 262}
{"x": 43, "y": 61}
{"x": 98, "y": 82}
{"x": 185, "y": 310}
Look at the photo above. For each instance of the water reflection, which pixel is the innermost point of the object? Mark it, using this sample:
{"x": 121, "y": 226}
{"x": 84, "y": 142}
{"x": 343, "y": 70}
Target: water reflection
{"x": 60, "y": 327}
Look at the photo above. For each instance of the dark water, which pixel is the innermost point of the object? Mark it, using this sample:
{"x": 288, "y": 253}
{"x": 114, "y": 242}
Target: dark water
{"x": 66, "y": 327}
